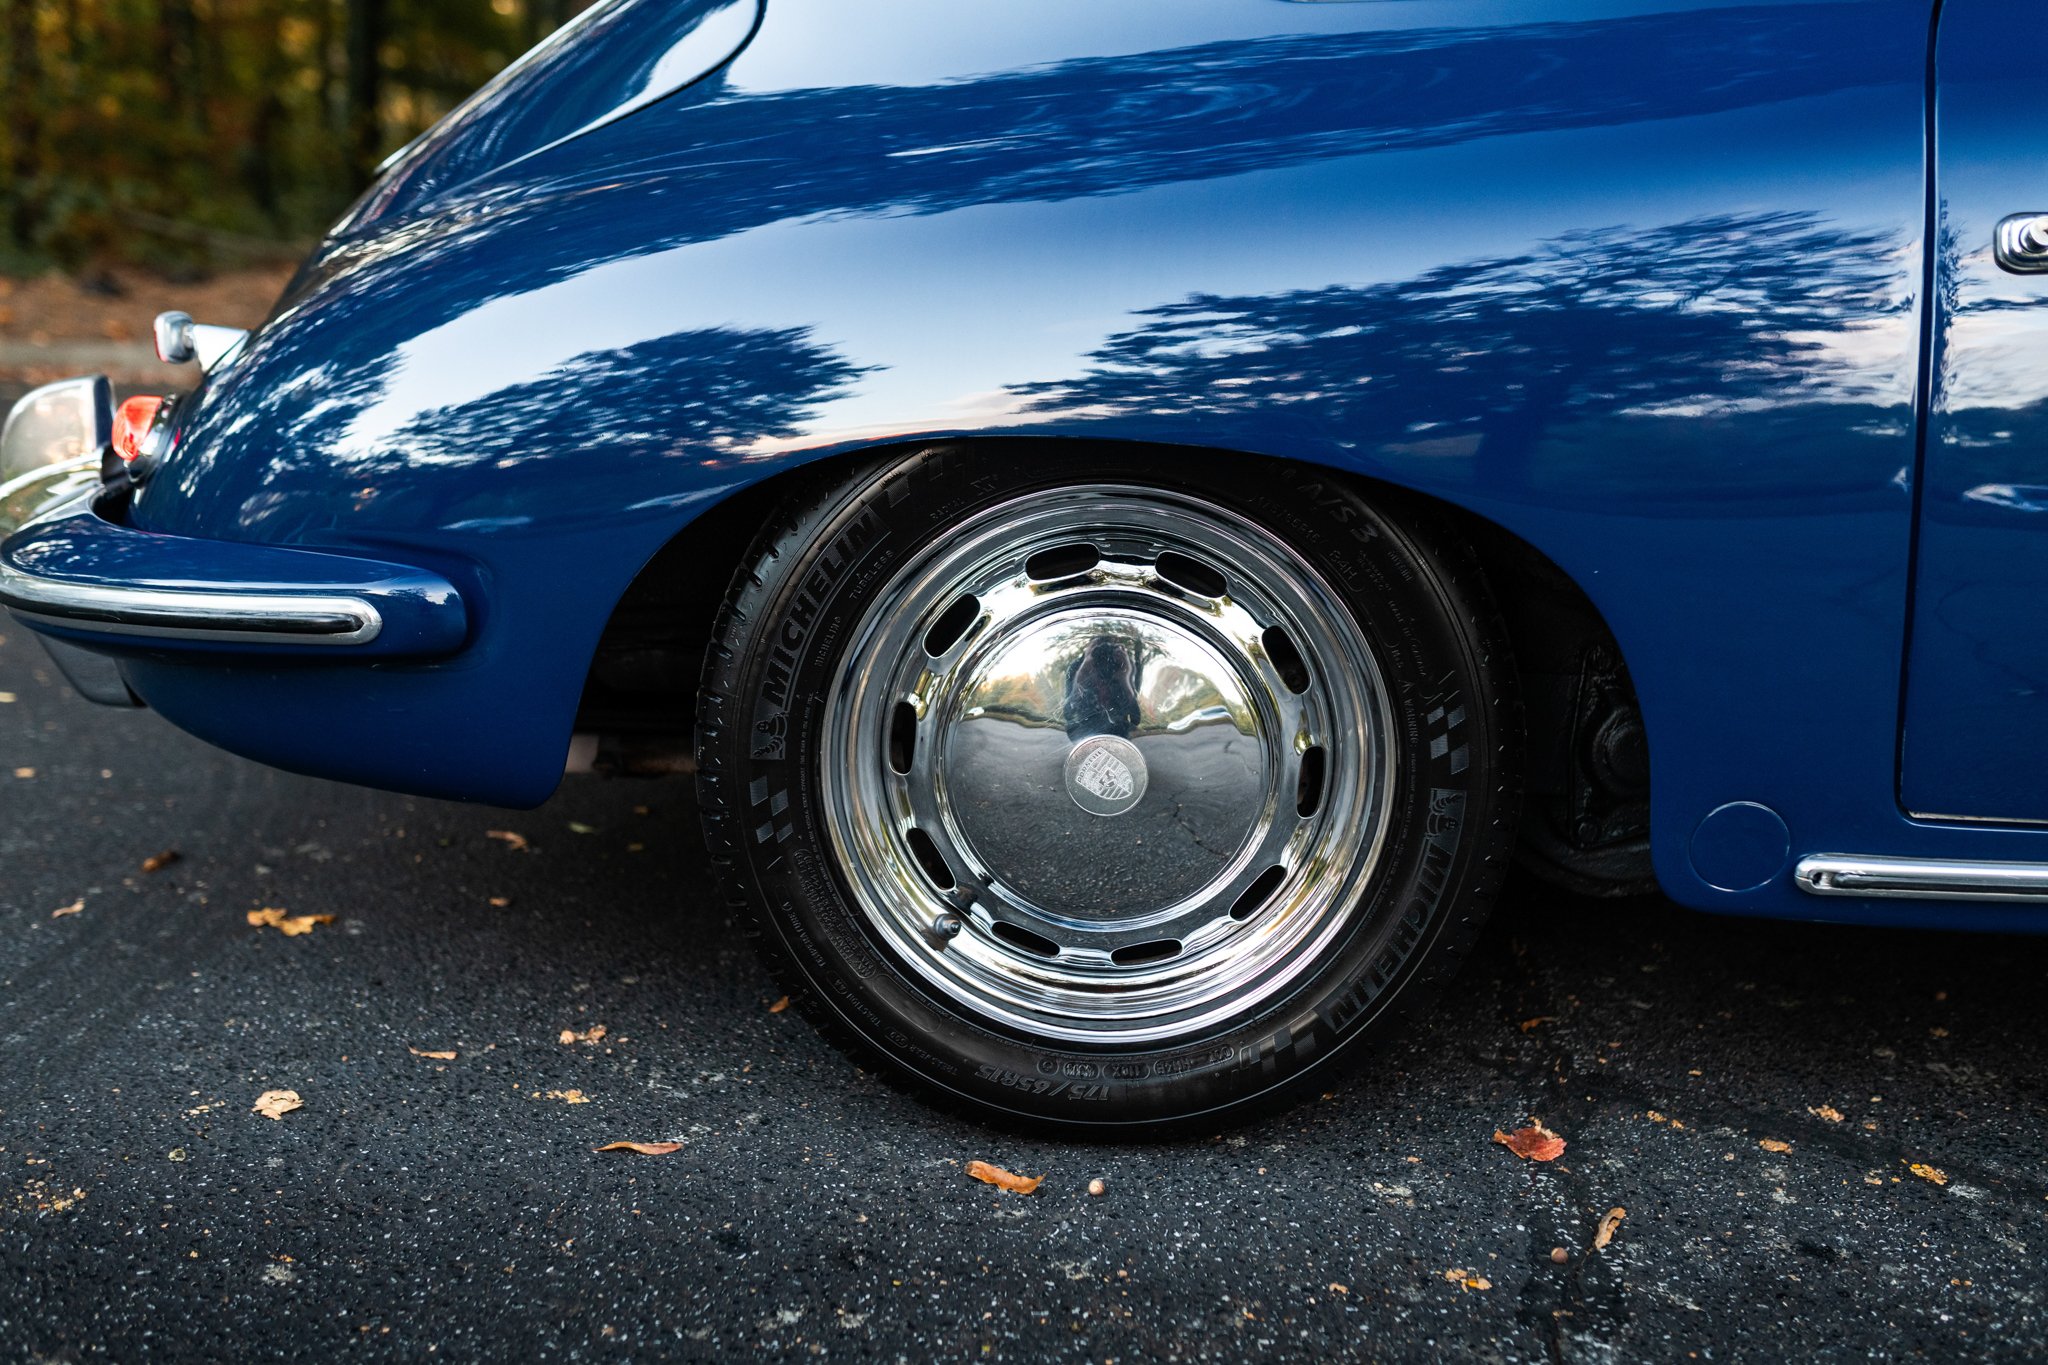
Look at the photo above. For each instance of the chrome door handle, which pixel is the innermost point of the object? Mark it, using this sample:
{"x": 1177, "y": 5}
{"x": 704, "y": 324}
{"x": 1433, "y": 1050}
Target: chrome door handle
{"x": 2021, "y": 244}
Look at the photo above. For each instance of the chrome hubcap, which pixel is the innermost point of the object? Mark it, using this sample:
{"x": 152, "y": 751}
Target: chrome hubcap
{"x": 1108, "y": 764}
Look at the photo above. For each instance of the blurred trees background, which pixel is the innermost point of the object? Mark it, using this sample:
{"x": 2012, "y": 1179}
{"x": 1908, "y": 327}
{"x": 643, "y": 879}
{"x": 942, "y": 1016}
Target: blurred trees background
{"x": 186, "y": 134}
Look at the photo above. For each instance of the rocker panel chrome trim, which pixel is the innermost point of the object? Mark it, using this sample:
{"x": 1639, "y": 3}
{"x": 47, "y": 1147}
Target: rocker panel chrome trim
{"x": 1873, "y": 876}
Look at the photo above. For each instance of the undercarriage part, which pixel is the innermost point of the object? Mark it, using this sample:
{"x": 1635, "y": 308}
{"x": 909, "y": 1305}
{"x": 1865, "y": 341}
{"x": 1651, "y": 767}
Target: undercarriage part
{"x": 636, "y": 755}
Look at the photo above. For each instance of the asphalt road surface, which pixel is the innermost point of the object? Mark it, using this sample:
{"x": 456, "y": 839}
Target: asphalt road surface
{"x": 1757, "y": 1097}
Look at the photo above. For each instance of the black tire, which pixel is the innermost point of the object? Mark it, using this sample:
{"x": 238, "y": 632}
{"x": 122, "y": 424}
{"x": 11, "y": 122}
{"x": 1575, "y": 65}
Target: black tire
{"x": 1413, "y": 589}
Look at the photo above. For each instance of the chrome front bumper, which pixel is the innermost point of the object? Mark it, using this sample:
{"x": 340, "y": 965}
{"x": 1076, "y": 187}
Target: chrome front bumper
{"x": 73, "y": 571}
{"x": 154, "y": 611}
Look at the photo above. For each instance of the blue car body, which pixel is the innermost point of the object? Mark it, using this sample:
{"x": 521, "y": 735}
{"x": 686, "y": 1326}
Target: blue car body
{"x": 1694, "y": 298}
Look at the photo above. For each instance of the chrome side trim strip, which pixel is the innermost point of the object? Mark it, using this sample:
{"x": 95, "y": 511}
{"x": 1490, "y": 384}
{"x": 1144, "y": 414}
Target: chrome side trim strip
{"x": 158, "y": 613}
{"x": 1937, "y": 817}
{"x": 1839, "y": 874}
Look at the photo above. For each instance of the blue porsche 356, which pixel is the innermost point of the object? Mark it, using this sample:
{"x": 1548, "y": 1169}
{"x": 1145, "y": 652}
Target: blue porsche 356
{"x": 1148, "y": 509}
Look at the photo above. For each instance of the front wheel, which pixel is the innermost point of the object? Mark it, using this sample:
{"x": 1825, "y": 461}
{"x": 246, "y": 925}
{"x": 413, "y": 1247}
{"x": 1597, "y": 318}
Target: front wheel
{"x": 1102, "y": 786}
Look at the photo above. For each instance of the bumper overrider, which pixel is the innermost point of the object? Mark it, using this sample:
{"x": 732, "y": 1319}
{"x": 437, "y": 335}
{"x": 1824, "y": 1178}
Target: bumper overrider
{"x": 71, "y": 568}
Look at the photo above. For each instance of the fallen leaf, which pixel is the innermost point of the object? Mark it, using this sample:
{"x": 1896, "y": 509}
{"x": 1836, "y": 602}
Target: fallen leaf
{"x": 24, "y": 773}
{"x": 643, "y": 1148}
{"x": 1773, "y": 1145}
{"x": 997, "y": 1176}
{"x": 61, "y": 911}
{"x": 6, "y": 698}
{"x": 593, "y": 1034}
{"x": 1611, "y": 1220}
{"x": 565, "y": 1096}
{"x": 501, "y": 901}
{"x": 447, "y": 1056}
{"x": 1336, "y": 1288}
{"x": 157, "y": 862}
{"x": 516, "y": 842}
{"x": 290, "y": 925}
{"x": 1927, "y": 1172}
{"x": 1828, "y": 1112}
{"x": 1534, "y": 1143}
{"x": 1469, "y": 1279}
{"x": 1530, "y": 1025}
{"x": 779, "y": 1006}
{"x": 275, "y": 1104}
{"x": 1655, "y": 1117}
{"x": 578, "y": 827}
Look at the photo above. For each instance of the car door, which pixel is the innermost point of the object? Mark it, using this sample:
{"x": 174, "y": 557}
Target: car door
{"x": 1976, "y": 712}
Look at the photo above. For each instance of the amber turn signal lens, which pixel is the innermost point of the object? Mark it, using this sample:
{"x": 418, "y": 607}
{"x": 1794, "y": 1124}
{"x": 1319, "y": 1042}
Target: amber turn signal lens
{"x": 132, "y": 421}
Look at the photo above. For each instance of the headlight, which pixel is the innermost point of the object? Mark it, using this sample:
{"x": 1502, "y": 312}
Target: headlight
{"x": 60, "y": 423}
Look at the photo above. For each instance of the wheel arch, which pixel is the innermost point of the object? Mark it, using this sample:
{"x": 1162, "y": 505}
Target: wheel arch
{"x": 1581, "y": 709}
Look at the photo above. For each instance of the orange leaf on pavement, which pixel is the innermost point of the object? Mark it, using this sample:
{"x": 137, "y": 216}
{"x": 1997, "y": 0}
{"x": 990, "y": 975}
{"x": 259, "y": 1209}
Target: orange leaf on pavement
{"x": 447, "y": 1056}
{"x": 643, "y": 1148}
{"x": 1773, "y": 1145}
{"x": 75, "y": 907}
{"x": 1927, "y": 1172}
{"x": 593, "y": 1035}
{"x": 290, "y": 925}
{"x": 275, "y": 1104}
{"x": 1008, "y": 1180}
{"x": 779, "y": 1006}
{"x": 516, "y": 842}
{"x": 1611, "y": 1220}
{"x": 157, "y": 862}
{"x": 1534, "y": 1143}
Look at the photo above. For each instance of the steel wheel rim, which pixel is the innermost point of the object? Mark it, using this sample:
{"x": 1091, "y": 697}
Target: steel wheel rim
{"x": 1181, "y": 686}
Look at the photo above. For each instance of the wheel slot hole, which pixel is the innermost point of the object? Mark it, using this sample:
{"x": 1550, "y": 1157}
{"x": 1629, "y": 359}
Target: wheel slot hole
{"x": 1287, "y": 660}
{"x": 1019, "y": 937}
{"x": 1192, "y": 574}
{"x": 1061, "y": 561}
{"x": 902, "y": 736}
{"x": 1258, "y": 893}
{"x": 1138, "y": 954}
{"x": 1308, "y": 789}
{"x": 929, "y": 858}
{"x": 947, "y": 630}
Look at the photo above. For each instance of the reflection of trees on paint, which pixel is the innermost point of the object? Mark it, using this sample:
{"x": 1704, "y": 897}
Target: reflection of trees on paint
{"x": 1721, "y": 312}
{"x": 712, "y": 161}
{"x": 600, "y": 418}
{"x": 697, "y": 394}
{"x": 718, "y": 160}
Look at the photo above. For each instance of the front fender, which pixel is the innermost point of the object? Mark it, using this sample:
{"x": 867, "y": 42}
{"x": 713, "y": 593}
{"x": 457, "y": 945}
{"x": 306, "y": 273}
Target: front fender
{"x": 1641, "y": 287}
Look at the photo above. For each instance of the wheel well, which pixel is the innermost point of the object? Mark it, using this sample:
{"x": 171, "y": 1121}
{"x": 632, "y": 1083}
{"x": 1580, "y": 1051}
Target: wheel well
{"x": 1586, "y": 811}
{"x": 1586, "y": 824}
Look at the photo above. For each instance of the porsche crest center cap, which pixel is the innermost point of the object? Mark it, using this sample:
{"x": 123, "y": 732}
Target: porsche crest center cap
{"x": 1105, "y": 775}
